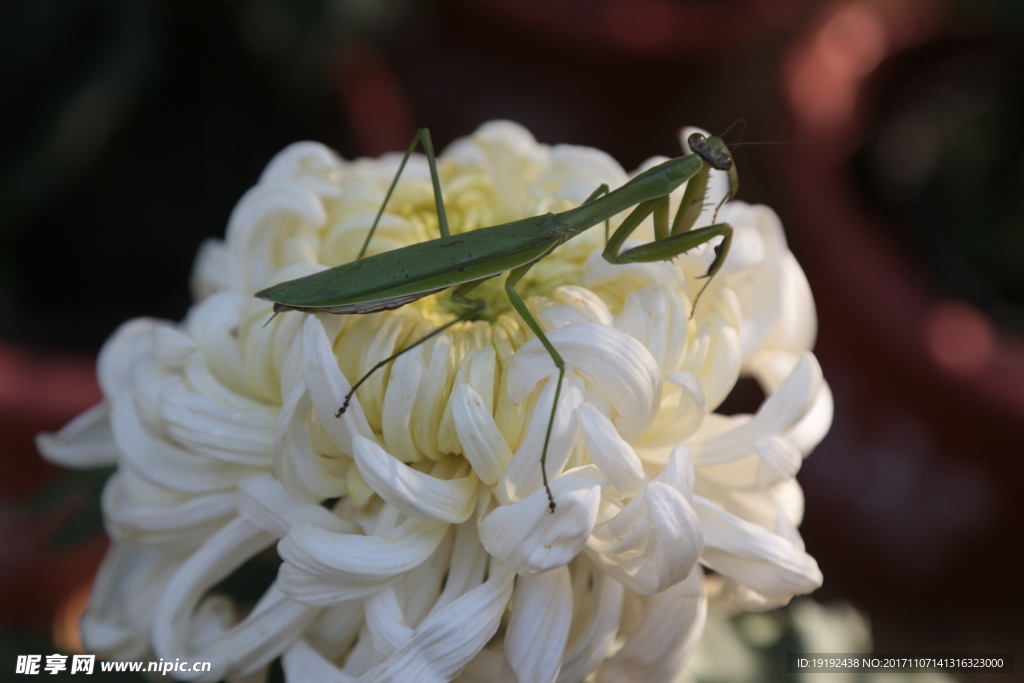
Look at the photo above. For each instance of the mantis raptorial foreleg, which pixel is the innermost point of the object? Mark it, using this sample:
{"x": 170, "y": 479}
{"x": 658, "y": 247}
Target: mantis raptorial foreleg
{"x": 665, "y": 245}
{"x": 422, "y": 137}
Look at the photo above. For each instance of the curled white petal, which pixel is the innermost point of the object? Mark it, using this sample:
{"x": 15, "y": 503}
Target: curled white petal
{"x": 755, "y": 557}
{"x": 482, "y": 442}
{"x": 658, "y": 319}
{"x": 780, "y": 461}
{"x": 591, "y": 645}
{"x": 86, "y": 441}
{"x": 309, "y": 164}
{"x": 612, "y": 363}
{"x": 655, "y": 541}
{"x": 303, "y": 472}
{"x": 323, "y": 567}
{"x": 722, "y": 365}
{"x": 209, "y": 269}
{"x": 385, "y": 621}
{"x": 124, "y": 596}
{"x": 613, "y": 456}
{"x": 771, "y": 368}
{"x": 539, "y": 626}
{"x": 215, "y": 430}
{"x": 664, "y": 639}
{"x": 302, "y": 662}
{"x": 448, "y": 639}
{"x": 586, "y": 302}
{"x": 163, "y": 464}
{"x": 265, "y": 503}
{"x": 683, "y": 410}
{"x": 780, "y": 411}
{"x": 523, "y": 474}
{"x": 529, "y": 538}
{"x": 260, "y": 217}
{"x": 244, "y": 648}
{"x": 133, "y": 510}
{"x": 416, "y": 494}
{"x": 328, "y": 388}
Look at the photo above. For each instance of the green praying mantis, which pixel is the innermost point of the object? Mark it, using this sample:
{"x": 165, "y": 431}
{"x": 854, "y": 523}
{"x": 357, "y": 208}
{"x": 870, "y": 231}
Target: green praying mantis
{"x": 393, "y": 279}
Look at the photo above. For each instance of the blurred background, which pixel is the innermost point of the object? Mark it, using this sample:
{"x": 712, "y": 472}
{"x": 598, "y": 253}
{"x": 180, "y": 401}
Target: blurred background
{"x": 131, "y": 127}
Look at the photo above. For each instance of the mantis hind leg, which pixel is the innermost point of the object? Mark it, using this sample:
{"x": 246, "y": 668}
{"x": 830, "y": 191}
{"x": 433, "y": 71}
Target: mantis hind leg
{"x": 422, "y": 137}
{"x": 473, "y": 307}
{"x": 517, "y": 302}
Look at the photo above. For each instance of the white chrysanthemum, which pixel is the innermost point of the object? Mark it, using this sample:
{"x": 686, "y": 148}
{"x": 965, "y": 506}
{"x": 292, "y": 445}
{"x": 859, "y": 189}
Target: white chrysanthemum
{"x": 415, "y": 528}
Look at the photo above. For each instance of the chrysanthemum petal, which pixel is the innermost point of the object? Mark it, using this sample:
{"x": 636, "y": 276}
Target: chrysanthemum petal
{"x": 482, "y": 442}
{"x": 755, "y": 557}
{"x": 209, "y": 269}
{"x": 124, "y": 596}
{"x": 302, "y": 662}
{"x": 771, "y": 368}
{"x": 760, "y": 287}
{"x": 416, "y": 494}
{"x": 210, "y": 325}
{"x": 659, "y": 646}
{"x": 586, "y": 302}
{"x": 305, "y": 474}
{"x": 309, "y": 164}
{"x": 721, "y": 368}
{"x": 216, "y": 431}
{"x": 613, "y": 456}
{"x": 658, "y": 319}
{"x": 264, "y": 502}
{"x": 323, "y": 567}
{"x": 467, "y": 567}
{"x": 780, "y": 461}
{"x": 539, "y": 626}
{"x": 780, "y": 411}
{"x": 131, "y": 341}
{"x": 612, "y": 363}
{"x": 450, "y": 638}
{"x": 131, "y": 514}
{"x": 683, "y": 409}
{"x": 86, "y": 441}
{"x": 797, "y": 325}
{"x": 586, "y": 650}
{"x": 528, "y": 538}
{"x": 222, "y": 553}
{"x": 523, "y": 474}
{"x": 328, "y": 388}
{"x": 259, "y": 219}
{"x": 655, "y": 541}
{"x": 385, "y": 621}
{"x": 164, "y": 464}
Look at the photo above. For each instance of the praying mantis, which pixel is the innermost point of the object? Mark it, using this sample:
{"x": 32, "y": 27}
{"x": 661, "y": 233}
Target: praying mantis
{"x": 395, "y": 278}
